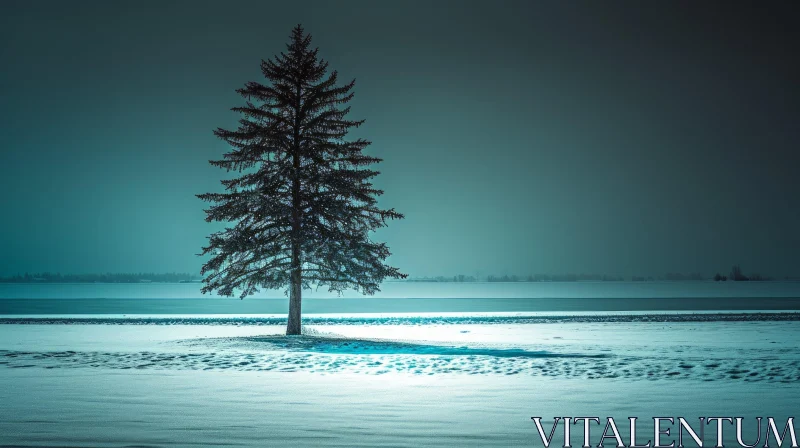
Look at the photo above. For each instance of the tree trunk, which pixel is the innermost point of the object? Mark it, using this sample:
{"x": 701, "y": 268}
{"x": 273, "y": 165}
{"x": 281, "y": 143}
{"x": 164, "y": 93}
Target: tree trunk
{"x": 295, "y": 326}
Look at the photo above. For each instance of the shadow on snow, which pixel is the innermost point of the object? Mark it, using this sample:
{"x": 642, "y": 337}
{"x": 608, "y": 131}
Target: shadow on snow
{"x": 334, "y": 345}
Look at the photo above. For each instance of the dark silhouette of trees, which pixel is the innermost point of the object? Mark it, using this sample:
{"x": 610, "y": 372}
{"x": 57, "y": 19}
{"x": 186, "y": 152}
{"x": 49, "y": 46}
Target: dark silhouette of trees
{"x": 461, "y": 278}
{"x": 304, "y": 203}
{"x": 737, "y": 275}
{"x": 693, "y": 277}
{"x": 48, "y": 277}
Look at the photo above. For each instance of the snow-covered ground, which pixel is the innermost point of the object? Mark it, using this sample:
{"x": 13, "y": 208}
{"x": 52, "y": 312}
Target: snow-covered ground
{"x": 412, "y": 383}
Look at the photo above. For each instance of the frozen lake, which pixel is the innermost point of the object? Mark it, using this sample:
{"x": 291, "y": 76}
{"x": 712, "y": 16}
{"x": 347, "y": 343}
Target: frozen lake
{"x": 406, "y": 297}
{"x": 425, "y": 290}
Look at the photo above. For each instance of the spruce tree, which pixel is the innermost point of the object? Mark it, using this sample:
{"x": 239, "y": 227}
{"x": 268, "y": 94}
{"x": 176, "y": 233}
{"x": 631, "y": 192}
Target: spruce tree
{"x": 301, "y": 211}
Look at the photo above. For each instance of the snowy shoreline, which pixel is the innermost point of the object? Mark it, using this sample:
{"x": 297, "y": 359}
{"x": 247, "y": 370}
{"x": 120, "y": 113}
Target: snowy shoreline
{"x": 706, "y": 350}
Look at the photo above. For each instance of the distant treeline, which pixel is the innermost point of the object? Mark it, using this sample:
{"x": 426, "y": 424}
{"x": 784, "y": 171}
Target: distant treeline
{"x": 49, "y": 277}
{"x": 527, "y": 278}
{"x": 736, "y": 275}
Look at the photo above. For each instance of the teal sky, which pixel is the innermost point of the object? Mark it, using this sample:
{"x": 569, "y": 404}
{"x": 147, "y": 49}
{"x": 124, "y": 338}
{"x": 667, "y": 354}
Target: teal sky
{"x": 518, "y": 137}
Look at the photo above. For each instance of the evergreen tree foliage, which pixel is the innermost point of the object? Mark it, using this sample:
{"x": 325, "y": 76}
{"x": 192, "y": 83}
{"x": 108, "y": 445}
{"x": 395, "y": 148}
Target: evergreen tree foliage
{"x": 303, "y": 205}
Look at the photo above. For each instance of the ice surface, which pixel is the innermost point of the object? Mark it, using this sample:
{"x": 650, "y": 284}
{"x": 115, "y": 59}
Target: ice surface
{"x": 427, "y": 290}
{"x": 406, "y": 297}
{"x": 408, "y": 318}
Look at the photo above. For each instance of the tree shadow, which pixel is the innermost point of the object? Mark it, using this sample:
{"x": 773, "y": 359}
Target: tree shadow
{"x": 349, "y": 346}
